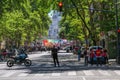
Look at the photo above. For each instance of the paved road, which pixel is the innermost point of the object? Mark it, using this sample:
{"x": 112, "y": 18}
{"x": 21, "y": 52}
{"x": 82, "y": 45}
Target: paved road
{"x": 43, "y": 69}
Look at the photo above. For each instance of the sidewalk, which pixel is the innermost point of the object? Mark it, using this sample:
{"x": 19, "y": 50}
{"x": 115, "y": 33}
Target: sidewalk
{"x": 113, "y": 63}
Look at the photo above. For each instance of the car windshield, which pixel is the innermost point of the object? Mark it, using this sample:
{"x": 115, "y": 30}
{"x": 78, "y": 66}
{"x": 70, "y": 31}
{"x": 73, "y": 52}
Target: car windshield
{"x": 82, "y": 48}
{"x": 95, "y": 47}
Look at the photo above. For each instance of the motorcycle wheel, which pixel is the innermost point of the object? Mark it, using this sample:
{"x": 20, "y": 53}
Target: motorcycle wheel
{"x": 28, "y": 62}
{"x": 10, "y": 63}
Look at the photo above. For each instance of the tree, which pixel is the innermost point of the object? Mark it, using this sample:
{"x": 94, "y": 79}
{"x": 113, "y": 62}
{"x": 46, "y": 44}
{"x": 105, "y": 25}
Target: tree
{"x": 22, "y": 20}
{"x": 93, "y": 21}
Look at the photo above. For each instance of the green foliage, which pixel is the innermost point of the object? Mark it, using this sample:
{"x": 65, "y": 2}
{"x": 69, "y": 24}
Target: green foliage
{"x": 23, "y": 20}
{"x": 86, "y": 23}
{"x": 83, "y": 22}
{"x": 112, "y": 50}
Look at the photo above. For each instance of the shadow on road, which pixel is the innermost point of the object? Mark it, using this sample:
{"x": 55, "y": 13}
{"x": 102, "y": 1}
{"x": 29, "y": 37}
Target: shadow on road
{"x": 44, "y": 64}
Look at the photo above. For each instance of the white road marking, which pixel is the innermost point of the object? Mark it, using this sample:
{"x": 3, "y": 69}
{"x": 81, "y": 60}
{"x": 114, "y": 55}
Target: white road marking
{"x": 55, "y": 74}
{"x": 72, "y": 73}
{"x": 88, "y": 72}
{"x": 83, "y": 78}
{"x": 105, "y": 73}
{"x": 8, "y": 74}
{"x": 23, "y": 74}
{"x": 117, "y": 72}
{"x": 39, "y": 74}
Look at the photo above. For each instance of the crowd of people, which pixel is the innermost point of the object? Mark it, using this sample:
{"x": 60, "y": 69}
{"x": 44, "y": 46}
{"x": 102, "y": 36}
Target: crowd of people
{"x": 98, "y": 56}
{"x": 91, "y": 56}
{"x": 7, "y": 53}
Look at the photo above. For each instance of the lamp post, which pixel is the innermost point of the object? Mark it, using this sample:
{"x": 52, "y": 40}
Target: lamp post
{"x": 118, "y": 34}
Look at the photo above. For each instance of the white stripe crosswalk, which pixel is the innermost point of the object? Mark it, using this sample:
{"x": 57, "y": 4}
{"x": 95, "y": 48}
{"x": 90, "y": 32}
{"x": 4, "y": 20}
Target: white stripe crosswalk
{"x": 55, "y": 74}
{"x": 8, "y": 74}
{"x": 39, "y": 74}
{"x": 117, "y": 72}
{"x": 69, "y": 73}
{"x": 72, "y": 73}
{"x": 105, "y": 73}
{"x": 88, "y": 72}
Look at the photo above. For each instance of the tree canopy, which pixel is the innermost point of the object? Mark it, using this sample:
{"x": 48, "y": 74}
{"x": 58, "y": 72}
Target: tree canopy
{"x": 86, "y": 19}
{"x": 23, "y": 20}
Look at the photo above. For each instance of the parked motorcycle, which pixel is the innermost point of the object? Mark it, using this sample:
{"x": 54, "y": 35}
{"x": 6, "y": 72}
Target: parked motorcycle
{"x": 14, "y": 60}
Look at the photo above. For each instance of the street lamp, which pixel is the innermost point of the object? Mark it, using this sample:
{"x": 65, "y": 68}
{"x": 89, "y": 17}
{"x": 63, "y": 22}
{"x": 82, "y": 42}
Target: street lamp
{"x": 117, "y": 30}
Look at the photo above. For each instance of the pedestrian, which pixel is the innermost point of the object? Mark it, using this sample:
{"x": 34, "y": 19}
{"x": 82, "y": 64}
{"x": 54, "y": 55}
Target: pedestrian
{"x": 98, "y": 55}
{"x": 86, "y": 57}
{"x": 1, "y": 59}
{"x": 71, "y": 48}
{"x": 92, "y": 57}
{"x": 8, "y": 53}
{"x": 79, "y": 53}
{"x": 4, "y": 53}
{"x": 105, "y": 56}
{"x": 54, "y": 51}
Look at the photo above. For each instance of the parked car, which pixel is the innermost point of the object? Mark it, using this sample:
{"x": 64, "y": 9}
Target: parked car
{"x": 95, "y": 47}
{"x": 67, "y": 49}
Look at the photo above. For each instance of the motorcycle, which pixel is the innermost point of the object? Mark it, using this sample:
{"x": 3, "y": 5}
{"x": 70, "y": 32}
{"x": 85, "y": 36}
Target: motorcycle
{"x": 15, "y": 60}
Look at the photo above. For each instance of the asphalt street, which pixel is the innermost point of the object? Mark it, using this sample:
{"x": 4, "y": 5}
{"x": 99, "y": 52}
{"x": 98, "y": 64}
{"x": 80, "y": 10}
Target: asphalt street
{"x": 70, "y": 69}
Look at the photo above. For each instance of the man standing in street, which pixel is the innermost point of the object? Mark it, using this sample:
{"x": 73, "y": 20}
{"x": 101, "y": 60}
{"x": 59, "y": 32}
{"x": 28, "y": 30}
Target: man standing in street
{"x": 55, "y": 56}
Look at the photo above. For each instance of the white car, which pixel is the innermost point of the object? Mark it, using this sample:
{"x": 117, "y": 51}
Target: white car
{"x": 95, "y": 47}
{"x": 67, "y": 49}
